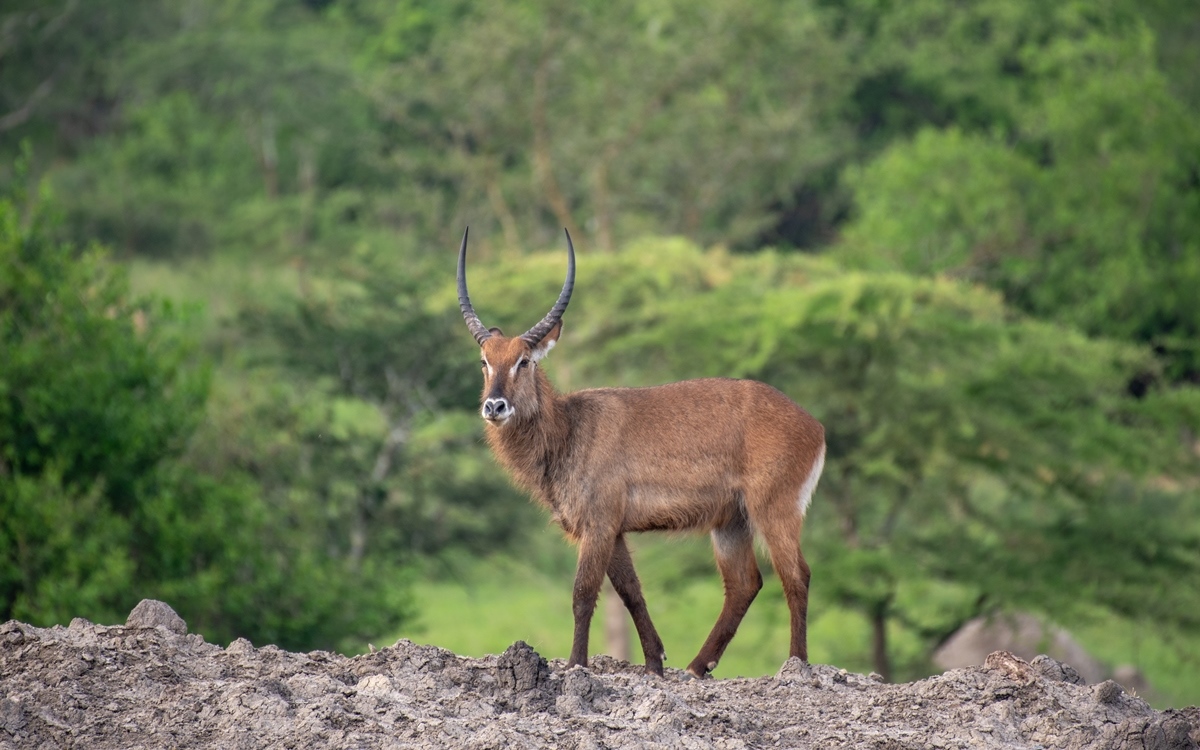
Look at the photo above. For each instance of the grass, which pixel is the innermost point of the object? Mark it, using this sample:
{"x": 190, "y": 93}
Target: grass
{"x": 497, "y": 601}
{"x": 1169, "y": 662}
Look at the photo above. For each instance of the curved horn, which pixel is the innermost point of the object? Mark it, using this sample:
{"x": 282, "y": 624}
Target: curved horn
{"x": 538, "y": 332}
{"x": 474, "y": 324}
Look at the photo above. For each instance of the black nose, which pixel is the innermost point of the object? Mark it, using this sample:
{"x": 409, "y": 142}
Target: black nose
{"x": 495, "y": 408}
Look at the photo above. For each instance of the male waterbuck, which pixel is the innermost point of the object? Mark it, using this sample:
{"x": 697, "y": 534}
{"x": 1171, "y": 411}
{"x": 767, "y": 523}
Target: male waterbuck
{"x": 734, "y": 458}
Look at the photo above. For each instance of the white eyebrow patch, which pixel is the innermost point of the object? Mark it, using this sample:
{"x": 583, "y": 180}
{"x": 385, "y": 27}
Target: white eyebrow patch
{"x": 512, "y": 373}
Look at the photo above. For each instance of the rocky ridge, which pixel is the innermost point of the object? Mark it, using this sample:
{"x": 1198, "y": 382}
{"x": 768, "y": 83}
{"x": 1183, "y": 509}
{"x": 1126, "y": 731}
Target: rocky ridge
{"x": 150, "y": 684}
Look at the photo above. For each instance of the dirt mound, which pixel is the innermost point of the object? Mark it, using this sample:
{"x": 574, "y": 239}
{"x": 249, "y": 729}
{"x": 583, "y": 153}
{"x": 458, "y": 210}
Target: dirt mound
{"x": 148, "y": 684}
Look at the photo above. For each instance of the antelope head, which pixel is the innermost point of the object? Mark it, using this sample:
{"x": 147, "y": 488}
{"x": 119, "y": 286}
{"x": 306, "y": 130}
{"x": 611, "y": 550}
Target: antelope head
{"x": 510, "y": 383}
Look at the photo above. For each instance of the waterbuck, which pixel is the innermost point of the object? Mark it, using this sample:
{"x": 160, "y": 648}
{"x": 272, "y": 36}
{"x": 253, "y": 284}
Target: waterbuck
{"x": 734, "y": 458}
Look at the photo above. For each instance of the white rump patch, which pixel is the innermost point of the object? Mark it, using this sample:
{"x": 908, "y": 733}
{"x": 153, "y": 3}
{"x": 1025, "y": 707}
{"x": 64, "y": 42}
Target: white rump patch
{"x": 810, "y": 484}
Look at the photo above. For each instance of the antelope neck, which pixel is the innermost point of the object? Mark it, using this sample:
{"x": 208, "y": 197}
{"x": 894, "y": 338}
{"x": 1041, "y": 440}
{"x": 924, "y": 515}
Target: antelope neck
{"x": 528, "y": 445}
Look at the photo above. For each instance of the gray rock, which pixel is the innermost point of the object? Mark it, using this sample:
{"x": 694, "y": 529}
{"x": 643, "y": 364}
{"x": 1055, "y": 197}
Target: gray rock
{"x": 109, "y": 687}
{"x": 1108, "y": 692}
{"x": 151, "y": 613}
{"x": 1052, "y": 669}
{"x": 12, "y": 716}
{"x": 521, "y": 669}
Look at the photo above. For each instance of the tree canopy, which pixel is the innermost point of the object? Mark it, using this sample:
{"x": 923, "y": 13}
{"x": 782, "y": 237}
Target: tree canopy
{"x": 101, "y": 394}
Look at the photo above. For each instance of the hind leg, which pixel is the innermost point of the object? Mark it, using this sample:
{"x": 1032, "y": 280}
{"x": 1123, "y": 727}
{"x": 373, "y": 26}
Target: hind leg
{"x": 783, "y": 542}
{"x": 733, "y": 545}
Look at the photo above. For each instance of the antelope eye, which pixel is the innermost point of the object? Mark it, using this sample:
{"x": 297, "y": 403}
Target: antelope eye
{"x": 483, "y": 363}
{"x": 522, "y": 363}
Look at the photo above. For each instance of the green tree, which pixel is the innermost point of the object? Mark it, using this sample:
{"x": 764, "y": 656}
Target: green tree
{"x": 243, "y": 127}
{"x": 371, "y": 398}
{"x": 100, "y": 395}
{"x": 1063, "y": 173}
{"x": 675, "y": 116}
{"x": 58, "y": 91}
{"x": 97, "y": 392}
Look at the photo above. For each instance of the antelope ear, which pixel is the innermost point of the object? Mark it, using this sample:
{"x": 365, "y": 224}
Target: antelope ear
{"x": 547, "y": 343}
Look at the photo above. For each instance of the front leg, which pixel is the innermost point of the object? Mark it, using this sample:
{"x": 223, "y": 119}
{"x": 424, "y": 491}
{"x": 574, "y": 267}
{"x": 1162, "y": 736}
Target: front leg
{"x": 595, "y": 552}
{"x": 626, "y": 584}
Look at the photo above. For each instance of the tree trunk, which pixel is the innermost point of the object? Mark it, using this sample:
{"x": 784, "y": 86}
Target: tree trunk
{"x": 879, "y": 642}
{"x": 508, "y": 223}
{"x": 306, "y": 177}
{"x": 542, "y": 159}
{"x": 603, "y": 200}
{"x": 268, "y": 155}
{"x": 364, "y": 510}
{"x": 616, "y": 625}
{"x": 22, "y": 114}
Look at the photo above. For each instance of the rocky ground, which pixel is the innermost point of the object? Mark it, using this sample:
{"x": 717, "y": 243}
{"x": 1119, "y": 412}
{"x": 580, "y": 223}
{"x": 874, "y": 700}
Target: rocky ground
{"x": 149, "y": 684}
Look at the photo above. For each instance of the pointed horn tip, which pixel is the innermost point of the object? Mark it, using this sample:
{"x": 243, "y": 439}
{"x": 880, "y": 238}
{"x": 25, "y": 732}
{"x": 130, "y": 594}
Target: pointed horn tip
{"x": 474, "y": 324}
{"x": 554, "y": 317}
{"x": 570, "y": 247}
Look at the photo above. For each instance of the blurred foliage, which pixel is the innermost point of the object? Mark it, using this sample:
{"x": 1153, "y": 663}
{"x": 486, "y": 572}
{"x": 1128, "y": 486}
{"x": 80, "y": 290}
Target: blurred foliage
{"x": 383, "y": 443}
{"x": 534, "y": 112}
{"x": 1072, "y": 183}
{"x": 101, "y": 393}
{"x": 993, "y": 313}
